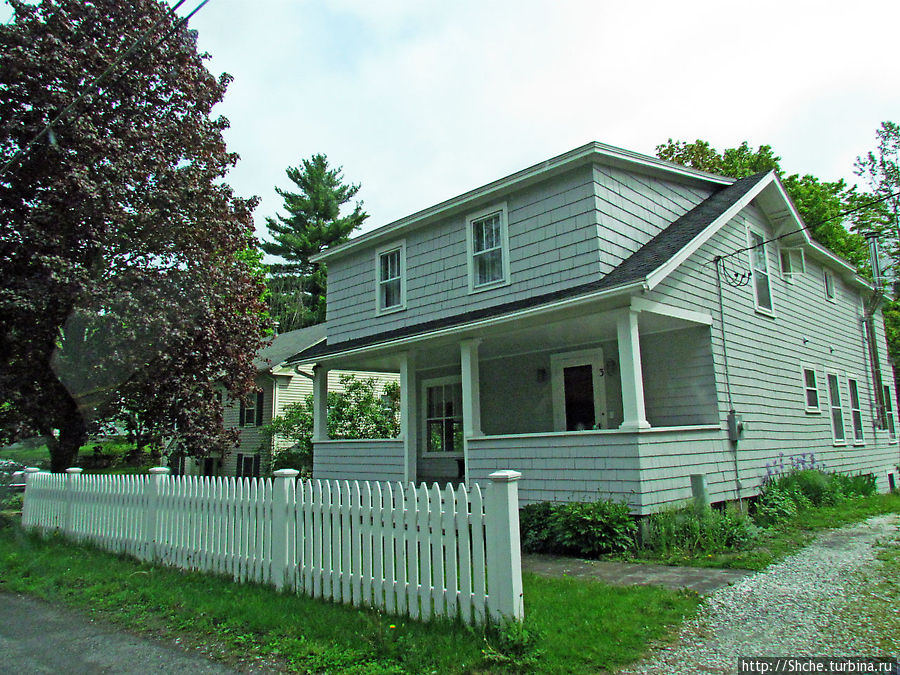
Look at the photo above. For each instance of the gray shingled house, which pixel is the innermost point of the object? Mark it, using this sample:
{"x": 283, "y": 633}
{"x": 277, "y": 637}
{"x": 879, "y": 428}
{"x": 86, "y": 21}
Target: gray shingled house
{"x": 608, "y": 324}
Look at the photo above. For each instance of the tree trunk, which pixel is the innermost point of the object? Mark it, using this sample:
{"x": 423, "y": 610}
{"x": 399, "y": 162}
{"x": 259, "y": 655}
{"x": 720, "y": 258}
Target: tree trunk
{"x": 72, "y": 435}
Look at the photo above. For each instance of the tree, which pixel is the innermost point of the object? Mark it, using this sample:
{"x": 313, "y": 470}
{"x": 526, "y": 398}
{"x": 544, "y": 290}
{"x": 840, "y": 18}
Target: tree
{"x": 358, "y": 411}
{"x": 819, "y": 203}
{"x": 312, "y": 224}
{"x": 122, "y": 249}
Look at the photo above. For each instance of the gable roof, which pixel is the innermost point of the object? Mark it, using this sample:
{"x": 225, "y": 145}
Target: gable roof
{"x": 286, "y": 345}
{"x": 686, "y": 233}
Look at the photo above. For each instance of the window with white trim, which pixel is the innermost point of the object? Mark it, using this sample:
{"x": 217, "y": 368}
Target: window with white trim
{"x": 759, "y": 270}
{"x": 443, "y": 416}
{"x": 889, "y": 413}
{"x": 855, "y": 411}
{"x": 390, "y": 264}
{"x": 837, "y": 411}
{"x": 829, "y": 286}
{"x": 487, "y": 240}
{"x": 792, "y": 263}
{"x": 811, "y": 389}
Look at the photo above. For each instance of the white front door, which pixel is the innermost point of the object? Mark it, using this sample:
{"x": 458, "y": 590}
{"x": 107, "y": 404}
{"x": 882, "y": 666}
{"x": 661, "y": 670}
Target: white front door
{"x": 579, "y": 392}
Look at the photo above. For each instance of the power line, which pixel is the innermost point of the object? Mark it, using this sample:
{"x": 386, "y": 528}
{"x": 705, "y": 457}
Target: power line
{"x": 48, "y": 129}
{"x": 808, "y": 227}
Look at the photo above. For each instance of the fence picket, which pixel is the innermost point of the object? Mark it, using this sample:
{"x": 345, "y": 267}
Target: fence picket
{"x": 437, "y": 557}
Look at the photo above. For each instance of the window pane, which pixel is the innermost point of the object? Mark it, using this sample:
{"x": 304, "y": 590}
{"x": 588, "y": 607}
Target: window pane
{"x": 857, "y": 425}
{"x": 810, "y": 376}
{"x": 854, "y": 394}
{"x": 488, "y": 267}
{"x": 391, "y": 294}
{"x": 478, "y": 236}
{"x": 812, "y": 398}
{"x": 435, "y": 436}
{"x": 837, "y": 423}
{"x": 763, "y": 298}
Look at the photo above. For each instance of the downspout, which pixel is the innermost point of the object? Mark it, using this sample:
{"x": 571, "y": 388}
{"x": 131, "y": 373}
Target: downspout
{"x": 732, "y": 414}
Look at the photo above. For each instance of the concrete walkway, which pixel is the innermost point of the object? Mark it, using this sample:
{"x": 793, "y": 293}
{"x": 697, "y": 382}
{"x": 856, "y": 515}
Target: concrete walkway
{"x": 37, "y": 637}
{"x": 703, "y": 580}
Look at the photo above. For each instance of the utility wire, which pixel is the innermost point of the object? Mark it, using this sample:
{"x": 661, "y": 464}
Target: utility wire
{"x": 99, "y": 79}
{"x": 809, "y": 227}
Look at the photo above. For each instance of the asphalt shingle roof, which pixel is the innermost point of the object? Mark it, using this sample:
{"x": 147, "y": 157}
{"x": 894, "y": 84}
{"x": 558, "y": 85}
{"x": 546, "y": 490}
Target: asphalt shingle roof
{"x": 638, "y": 266}
{"x": 286, "y": 345}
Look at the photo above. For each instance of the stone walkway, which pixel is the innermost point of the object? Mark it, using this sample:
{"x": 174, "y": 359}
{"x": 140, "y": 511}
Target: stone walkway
{"x": 703, "y": 580}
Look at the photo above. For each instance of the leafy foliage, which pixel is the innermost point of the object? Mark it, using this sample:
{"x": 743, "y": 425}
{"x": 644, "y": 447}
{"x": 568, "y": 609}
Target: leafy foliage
{"x": 358, "y": 411}
{"x": 312, "y": 224}
{"x": 818, "y": 202}
{"x": 578, "y": 528}
{"x": 691, "y": 531}
{"x": 122, "y": 250}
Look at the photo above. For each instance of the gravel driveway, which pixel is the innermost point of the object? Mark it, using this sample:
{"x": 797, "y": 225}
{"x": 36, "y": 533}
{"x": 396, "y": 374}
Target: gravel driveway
{"x": 793, "y": 608}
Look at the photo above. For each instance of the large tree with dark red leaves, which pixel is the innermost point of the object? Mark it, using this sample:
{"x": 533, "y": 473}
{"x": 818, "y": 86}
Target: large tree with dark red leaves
{"x": 127, "y": 282}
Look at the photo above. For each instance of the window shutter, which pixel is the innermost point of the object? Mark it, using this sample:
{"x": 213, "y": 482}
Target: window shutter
{"x": 259, "y": 405}
{"x": 256, "y": 465}
{"x": 243, "y": 411}
{"x": 240, "y": 465}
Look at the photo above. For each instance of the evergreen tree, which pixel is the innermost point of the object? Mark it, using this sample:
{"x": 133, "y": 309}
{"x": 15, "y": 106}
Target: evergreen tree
{"x": 312, "y": 224}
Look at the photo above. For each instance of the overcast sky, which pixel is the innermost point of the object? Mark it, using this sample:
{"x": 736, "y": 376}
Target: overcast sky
{"x": 421, "y": 101}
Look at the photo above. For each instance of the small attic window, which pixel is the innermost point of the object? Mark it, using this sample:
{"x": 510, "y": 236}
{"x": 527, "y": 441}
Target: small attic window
{"x": 792, "y": 263}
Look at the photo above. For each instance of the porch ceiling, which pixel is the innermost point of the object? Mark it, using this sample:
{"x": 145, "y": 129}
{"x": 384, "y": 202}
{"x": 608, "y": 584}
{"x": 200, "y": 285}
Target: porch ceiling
{"x": 534, "y": 334}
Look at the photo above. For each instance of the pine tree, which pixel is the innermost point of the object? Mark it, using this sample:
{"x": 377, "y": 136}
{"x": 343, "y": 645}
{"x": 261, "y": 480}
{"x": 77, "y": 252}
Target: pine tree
{"x": 312, "y": 224}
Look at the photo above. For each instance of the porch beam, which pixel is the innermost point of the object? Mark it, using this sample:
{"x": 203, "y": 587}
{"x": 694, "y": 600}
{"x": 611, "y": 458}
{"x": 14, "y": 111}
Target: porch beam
{"x": 644, "y": 305}
{"x": 408, "y": 415}
{"x": 634, "y": 414}
{"x": 320, "y": 403}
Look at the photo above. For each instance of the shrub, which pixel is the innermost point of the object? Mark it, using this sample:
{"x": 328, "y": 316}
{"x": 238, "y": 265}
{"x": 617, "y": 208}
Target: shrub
{"x": 591, "y": 528}
{"x": 534, "y": 527}
{"x": 689, "y": 530}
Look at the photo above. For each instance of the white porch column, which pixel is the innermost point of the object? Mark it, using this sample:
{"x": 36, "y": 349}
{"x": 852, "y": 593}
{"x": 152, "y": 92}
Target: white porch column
{"x": 408, "y": 415}
{"x": 471, "y": 397}
{"x": 320, "y": 403}
{"x": 471, "y": 394}
{"x": 634, "y": 415}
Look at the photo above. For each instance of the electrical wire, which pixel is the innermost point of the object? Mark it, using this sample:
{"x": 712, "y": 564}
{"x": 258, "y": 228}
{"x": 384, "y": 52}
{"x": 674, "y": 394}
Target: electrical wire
{"x": 809, "y": 227}
{"x": 94, "y": 84}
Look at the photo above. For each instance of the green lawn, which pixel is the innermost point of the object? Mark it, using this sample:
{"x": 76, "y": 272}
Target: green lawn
{"x": 106, "y": 456}
{"x": 583, "y": 626}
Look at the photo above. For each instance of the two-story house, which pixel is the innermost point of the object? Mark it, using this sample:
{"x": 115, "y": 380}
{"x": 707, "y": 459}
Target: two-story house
{"x": 609, "y": 324}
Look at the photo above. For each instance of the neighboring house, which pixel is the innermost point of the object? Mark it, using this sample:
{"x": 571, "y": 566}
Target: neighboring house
{"x": 278, "y": 386}
{"x": 572, "y": 321}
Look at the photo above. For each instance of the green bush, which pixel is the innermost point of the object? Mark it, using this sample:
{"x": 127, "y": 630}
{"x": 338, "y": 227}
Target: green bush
{"x": 689, "y": 530}
{"x": 591, "y": 528}
{"x": 577, "y": 528}
{"x": 534, "y": 527}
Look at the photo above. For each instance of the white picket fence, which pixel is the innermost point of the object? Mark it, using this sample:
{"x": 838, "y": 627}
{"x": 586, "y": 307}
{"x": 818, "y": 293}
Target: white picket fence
{"x": 413, "y": 550}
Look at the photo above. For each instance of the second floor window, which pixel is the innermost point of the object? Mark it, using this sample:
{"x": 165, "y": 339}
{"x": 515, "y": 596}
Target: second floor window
{"x": 390, "y": 264}
{"x": 488, "y": 249}
{"x": 759, "y": 267}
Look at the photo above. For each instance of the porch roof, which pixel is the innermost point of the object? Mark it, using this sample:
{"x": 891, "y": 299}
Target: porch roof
{"x": 624, "y": 279}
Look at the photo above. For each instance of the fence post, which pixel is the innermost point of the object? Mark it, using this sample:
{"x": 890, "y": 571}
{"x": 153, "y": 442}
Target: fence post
{"x": 151, "y": 510}
{"x": 284, "y": 491}
{"x": 504, "y": 556}
{"x": 73, "y": 474}
{"x": 26, "y": 504}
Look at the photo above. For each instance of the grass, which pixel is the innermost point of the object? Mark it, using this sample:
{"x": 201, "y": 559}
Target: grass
{"x": 584, "y": 626}
{"x": 788, "y": 537}
{"x": 879, "y": 602}
{"x": 111, "y": 452}
{"x": 38, "y": 456}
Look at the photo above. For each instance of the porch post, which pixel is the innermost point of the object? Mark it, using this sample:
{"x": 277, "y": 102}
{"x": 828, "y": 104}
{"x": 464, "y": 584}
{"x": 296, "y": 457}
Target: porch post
{"x": 408, "y": 415}
{"x": 320, "y": 403}
{"x": 634, "y": 415}
{"x": 471, "y": 396}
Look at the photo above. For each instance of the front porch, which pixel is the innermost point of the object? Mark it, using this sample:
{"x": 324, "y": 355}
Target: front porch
{"x": 584, "y": 405}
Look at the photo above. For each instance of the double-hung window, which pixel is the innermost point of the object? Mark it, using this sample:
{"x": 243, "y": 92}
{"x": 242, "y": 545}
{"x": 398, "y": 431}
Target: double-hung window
{"x": 390, "y": 271}
{"x": 811, "y": 388}
{"x": 855, "y": 411}
{"x": 889, "y": 413}
{"x": 759, "y": 269}
{"x": 487, "y": 240}
{"x": 837, "y": 410}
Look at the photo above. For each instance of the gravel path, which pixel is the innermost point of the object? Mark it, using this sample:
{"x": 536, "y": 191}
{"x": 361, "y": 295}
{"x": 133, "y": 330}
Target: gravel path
{"x": 793, "y": 608}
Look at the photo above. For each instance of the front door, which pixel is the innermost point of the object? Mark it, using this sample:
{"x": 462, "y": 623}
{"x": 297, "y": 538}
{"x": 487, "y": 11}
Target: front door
{"x": 579, "y": 392}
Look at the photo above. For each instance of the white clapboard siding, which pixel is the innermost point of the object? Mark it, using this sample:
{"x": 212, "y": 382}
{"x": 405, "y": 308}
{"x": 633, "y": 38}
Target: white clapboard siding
{"x": 411, "y": 550}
